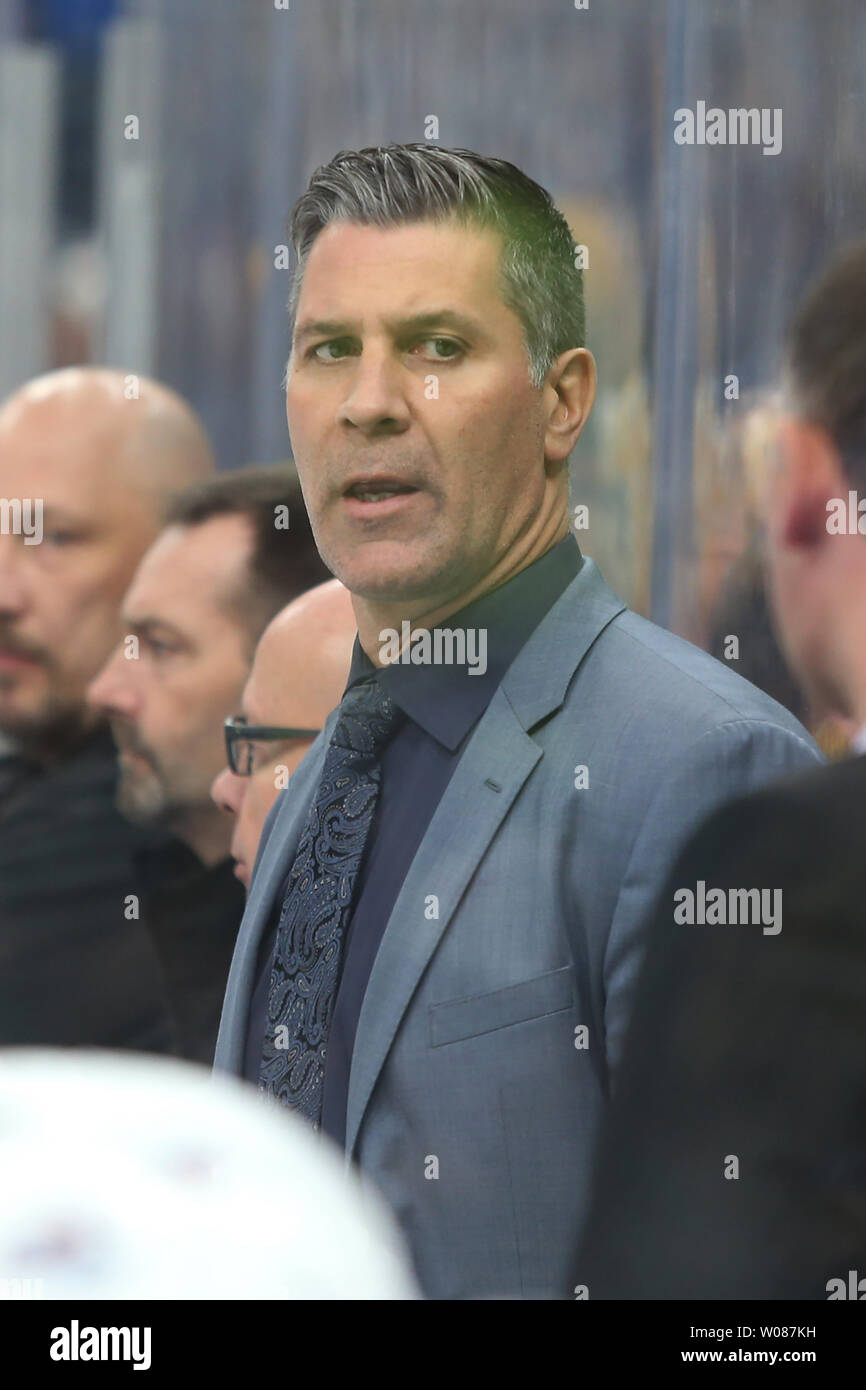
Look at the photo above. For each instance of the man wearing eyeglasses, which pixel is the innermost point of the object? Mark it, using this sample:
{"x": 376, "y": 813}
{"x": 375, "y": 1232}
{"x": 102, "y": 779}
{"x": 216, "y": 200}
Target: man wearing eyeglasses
{"x": 298, "y": 676}
{"x": 203, "y": 593}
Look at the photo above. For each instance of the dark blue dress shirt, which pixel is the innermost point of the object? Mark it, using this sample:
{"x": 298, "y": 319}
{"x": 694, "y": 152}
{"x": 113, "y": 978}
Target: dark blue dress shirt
{"x": 442, "y": 705}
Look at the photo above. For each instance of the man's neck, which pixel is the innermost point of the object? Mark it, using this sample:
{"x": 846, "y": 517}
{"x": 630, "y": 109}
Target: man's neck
{"x": 373, "y": 618}
{"x": 849, "y": 653}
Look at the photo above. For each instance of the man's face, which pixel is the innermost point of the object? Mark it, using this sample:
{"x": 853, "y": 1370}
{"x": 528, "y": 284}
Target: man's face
{"x": 167, "y": 704}
{"x": 249, "y": 799}
{"x": 407, "y": 367}
{"x": 811, "y": 572}
{"x": 60, "y": 599}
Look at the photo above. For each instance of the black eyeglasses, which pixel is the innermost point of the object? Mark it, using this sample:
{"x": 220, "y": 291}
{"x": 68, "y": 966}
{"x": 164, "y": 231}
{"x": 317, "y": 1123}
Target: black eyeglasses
{"x": 241, "y": 736}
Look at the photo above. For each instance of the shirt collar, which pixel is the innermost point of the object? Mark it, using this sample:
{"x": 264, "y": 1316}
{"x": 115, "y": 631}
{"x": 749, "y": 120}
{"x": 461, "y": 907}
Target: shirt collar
{"x": 447, "y": 700}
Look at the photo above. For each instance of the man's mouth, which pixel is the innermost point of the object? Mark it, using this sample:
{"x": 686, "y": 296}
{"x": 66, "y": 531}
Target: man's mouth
{"x": 127, "y": 748}
{"x": 377, "y": 489}
{"x": 377, "y": 499}
{"x": 13, "y": 656}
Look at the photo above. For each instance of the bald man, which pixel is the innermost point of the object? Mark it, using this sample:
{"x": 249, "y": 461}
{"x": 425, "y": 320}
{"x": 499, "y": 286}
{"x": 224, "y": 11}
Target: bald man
{"x": 299, "y": 674}
{"x": 88, "y": 458}
{"x": 95, "y": 468}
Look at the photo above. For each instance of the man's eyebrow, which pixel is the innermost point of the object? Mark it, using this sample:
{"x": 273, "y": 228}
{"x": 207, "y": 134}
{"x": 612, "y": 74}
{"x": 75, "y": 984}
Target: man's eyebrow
{"x": 319, "y": 328}
{"x": 62, "y": 516}
{"x": 446, "y": 318}
{"x": 148, "y": 626}
{"x": 415, "y": 323}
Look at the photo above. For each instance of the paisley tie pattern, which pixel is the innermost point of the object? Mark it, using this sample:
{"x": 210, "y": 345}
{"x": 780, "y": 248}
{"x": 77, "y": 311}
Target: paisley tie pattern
{"x": 318, "y": 903}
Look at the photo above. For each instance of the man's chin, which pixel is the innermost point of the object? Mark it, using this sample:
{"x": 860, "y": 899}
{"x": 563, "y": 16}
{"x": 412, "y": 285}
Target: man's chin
{"x": 382, "y": 575}
{"x": 46, "y": 731}
{"x": 142, "y": 803}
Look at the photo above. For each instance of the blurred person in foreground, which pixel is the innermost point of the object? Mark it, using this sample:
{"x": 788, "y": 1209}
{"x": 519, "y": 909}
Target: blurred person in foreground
{"x": 734, "y": 1164}
{"x": 159, "y": 1195}
{"x": 88, "y": 458}
{"x": 436, "y": 962}
{"x": 298, "y": 676}
{"x": 234, "y": 550}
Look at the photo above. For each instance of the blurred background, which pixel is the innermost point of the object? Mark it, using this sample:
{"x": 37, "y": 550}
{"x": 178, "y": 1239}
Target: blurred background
{"x": 150, "y": 151}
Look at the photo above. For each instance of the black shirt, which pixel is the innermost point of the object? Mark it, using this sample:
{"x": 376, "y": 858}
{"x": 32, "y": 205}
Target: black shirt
{"x": 443, "y": 703}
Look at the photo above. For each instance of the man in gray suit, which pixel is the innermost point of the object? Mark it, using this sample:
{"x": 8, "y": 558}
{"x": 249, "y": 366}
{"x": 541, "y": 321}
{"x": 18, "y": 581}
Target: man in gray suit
{"x": 445, "y": 919}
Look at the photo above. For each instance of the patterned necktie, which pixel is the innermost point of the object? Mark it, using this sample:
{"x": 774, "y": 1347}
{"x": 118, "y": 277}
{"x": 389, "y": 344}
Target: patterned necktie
{"x": 318, "y": 902}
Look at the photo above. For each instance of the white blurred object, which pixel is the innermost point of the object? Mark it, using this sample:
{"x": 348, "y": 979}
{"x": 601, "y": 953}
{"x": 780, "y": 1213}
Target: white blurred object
{"x": 142, "y": 1177}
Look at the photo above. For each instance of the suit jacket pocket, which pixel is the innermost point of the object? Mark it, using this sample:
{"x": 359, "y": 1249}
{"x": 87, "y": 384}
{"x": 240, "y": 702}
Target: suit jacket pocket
{"x": 483, "y": 1013}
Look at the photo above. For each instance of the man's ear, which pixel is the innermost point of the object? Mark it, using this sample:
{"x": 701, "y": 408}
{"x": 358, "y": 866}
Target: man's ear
{"x": 569, "y": 392}
{"x": 809, "y": 475}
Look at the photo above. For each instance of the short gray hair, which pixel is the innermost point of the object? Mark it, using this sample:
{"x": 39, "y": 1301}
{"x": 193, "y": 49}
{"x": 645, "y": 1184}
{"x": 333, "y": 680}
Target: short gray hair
{"x": 386, "y": 185}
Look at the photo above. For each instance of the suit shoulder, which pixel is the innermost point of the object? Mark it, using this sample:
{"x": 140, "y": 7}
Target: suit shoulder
{"x": 675, "y": 679}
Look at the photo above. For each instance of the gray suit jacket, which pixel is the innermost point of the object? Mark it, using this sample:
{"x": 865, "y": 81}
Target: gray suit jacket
{"x": 498, "y": 1000}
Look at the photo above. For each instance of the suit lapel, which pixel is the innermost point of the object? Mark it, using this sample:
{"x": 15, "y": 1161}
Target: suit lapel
{"x": 497, "y": 761}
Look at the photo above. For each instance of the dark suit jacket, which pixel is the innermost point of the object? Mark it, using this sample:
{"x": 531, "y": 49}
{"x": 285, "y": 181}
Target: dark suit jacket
{"x": 746, "y": 1045}
{"x": 192, "y": 913}
{"x": 74, "y": 967}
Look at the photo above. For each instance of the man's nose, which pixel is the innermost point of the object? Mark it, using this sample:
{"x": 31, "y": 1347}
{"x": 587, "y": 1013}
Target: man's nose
{"x": 227, "y": 791}
{"x": 376, "y": 401}
{"x": 112, "y": 691}
{"x": 13, "y": 597}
